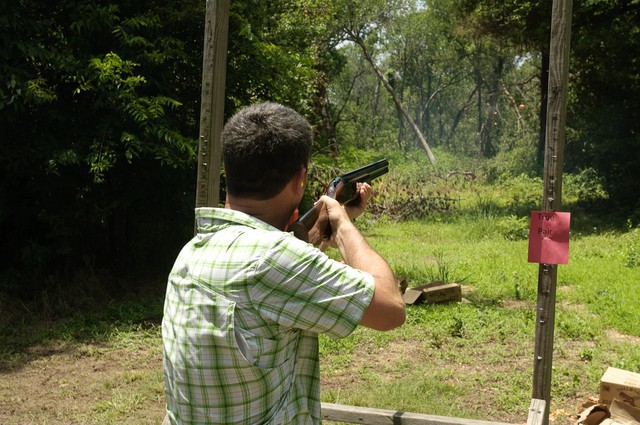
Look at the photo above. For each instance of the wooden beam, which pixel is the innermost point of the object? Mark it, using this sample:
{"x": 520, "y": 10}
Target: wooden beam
{"x": 552, "y": 196}
{"x": 537, "y": 412}
{"x": 433, "y": 293}
{"x": 214, "y": 66}
{"x": 370, "y": 416}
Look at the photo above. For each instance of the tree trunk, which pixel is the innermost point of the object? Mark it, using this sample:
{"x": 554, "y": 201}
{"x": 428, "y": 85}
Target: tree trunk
{"x": 480, "y": 123}
{"x": 322, "y": 108}
{"x": 396, "y": 99}
{"x": 375, "y": 124}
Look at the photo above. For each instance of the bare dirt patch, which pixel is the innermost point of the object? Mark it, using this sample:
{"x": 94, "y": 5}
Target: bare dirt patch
{"x": 66, "y": 383}
{"x": 120, "y": 381}
{"x": 617, "y": 336}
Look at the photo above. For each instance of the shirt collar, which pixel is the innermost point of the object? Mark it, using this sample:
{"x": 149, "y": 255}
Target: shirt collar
{"x": 212, "y": 219}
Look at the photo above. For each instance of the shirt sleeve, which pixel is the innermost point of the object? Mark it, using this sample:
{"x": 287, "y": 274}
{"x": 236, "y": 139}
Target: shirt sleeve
{"x": 298, "y": 286}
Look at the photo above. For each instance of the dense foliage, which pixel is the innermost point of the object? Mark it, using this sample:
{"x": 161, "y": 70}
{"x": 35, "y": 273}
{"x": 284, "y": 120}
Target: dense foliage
{"x": 98, "y": 133}
{"x": 604, "y": 110}
{"x": 99, "y": 107}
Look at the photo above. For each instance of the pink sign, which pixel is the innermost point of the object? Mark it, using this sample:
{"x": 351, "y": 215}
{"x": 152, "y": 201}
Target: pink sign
{"x": 549, "y": 237}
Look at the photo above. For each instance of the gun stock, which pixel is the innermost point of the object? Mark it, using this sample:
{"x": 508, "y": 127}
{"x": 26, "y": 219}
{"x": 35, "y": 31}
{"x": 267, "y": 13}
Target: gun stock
{"x": 344, "y": 189}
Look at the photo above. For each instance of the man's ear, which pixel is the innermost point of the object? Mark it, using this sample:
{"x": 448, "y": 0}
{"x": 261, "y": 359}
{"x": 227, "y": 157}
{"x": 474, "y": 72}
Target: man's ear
{"x": 300, "y": 180}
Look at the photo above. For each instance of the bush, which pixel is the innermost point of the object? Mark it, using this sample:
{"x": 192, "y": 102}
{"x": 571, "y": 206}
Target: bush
{"x": 513, "y": 228}
{"x": 632, "y": 252}
{"x": 585, "y": 186}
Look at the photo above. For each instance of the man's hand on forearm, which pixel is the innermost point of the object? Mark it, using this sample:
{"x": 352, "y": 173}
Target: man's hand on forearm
{"x": 357, "y": 206}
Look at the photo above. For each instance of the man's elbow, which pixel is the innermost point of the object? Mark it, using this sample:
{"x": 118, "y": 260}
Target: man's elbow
{"x": 399, "y": 318}
{"x": 394, "y": 319}
{"x": 384, "y": 313}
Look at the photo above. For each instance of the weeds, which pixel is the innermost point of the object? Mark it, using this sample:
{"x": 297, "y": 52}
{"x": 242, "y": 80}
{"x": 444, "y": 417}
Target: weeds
{"x": 457, "y": 328}
{"x": 450, "y": 359}
{"x": 485, "y": 207}
{"x": 120, "y": 404}
{"x": 632, "y": 250}
{"x": 513, "y": 228}
{"x": 443, "y": 270}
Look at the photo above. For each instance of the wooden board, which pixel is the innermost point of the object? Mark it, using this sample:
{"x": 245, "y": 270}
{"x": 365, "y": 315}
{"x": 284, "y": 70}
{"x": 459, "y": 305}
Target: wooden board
{"x": 369, "y": 416}
{"x": 433, "y": 293}
{"x": 536, "y": 412}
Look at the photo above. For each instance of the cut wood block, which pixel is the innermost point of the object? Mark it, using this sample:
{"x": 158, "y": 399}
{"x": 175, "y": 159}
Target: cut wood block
{"x": 444, "y": 293}
{"x": 433, "y": 293}
{"x": 412, "y": 296}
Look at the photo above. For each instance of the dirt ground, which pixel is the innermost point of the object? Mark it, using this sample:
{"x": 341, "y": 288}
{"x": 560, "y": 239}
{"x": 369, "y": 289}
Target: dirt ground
{"x": 69, "y": 384}
{"x": 91, "y": 383}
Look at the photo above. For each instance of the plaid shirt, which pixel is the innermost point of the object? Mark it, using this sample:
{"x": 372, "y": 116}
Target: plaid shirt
{"x": 244, "y": 306}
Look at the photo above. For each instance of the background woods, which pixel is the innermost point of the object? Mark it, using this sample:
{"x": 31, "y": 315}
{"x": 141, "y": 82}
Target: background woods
{"x": 99, "y": 104}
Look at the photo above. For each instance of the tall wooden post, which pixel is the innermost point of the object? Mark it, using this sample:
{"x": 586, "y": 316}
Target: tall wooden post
{"x": 552, "y": 196}
{"x": 214, "y": 66}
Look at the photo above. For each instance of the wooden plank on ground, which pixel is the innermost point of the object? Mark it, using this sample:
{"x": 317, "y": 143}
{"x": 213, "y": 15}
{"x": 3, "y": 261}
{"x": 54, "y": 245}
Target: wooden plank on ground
{"x": 442, "y": 294}
{"x": 537, "y": 412}
{"x": 370, "y": 416}
{"x": 433, "y": 293}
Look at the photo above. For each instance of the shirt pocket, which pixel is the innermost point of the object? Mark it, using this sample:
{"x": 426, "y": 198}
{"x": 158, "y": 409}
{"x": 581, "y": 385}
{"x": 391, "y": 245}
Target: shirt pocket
{"x": 267, "y": 353}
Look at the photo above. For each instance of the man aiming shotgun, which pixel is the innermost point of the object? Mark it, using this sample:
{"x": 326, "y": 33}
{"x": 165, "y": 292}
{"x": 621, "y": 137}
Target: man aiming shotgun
{"x": 246, "y": 299}
{"x": 351, "y": 189}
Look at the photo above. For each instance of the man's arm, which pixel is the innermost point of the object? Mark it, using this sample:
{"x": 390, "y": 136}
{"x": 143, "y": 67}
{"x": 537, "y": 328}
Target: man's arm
{"x": 386, "y": 310}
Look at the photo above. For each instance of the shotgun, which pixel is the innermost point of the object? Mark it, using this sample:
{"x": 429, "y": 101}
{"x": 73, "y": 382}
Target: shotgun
{"x": 343, "y": 189}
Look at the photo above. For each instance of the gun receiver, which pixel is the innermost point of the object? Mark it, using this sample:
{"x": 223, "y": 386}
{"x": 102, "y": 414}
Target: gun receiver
{"x": 344, "y": 189}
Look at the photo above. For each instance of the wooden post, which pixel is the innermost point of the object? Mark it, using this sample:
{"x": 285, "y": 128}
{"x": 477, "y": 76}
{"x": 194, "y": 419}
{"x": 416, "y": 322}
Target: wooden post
{"x": 552, "y": 196}
{"x": 214, "y": 66}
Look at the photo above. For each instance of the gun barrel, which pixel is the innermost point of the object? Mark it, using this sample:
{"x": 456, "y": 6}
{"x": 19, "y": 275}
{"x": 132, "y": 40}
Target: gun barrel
{"x": 380, "y": 166}
{"x": 377, "y": 173}
{"x": 344, "y": 187}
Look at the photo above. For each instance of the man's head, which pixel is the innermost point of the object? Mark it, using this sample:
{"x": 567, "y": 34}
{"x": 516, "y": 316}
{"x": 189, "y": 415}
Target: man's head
{"x": 263, "y": 147}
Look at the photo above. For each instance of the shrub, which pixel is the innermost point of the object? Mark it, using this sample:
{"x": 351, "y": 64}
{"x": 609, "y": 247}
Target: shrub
{"x": 584, "y": 186}
{"x": 513, "y": 228}
{"x": 632, "y": 252}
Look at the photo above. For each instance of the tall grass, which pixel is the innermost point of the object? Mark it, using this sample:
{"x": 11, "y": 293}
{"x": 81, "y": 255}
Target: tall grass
{"x": 470, "y": 359}
{"x": 475, "y": 358}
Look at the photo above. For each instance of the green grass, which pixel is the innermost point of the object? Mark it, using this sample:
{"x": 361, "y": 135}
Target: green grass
{"x": 471, "y": 359}
{"x": 475, "y": 359}
{"x": 598, "y": 277}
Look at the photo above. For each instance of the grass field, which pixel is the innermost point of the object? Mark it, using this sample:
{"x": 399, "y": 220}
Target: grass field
{"x": 475, "y": 359}
{"x": 101, "y": 364}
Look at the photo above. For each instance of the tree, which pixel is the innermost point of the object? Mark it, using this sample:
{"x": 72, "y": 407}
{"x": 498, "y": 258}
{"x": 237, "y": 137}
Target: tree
{"x": 439, "y": 72}
{"x": 604, "y": 111}
{"x": 524, "y": 25}
{"x": 98, "y": 132}
{"x": 361, "y": 25}
{"x": 99, "y": 115}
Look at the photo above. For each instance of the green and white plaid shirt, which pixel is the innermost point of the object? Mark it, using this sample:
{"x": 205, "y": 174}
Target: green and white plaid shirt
{"x": 244, "y": 306}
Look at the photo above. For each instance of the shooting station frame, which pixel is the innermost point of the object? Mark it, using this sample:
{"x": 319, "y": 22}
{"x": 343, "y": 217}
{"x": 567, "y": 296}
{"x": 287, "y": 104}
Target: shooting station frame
{"x": 208, "y": 193}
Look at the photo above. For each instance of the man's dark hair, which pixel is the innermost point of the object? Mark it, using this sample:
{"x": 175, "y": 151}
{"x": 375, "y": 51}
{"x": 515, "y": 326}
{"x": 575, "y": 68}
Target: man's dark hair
{"x": 263, "y": 146}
